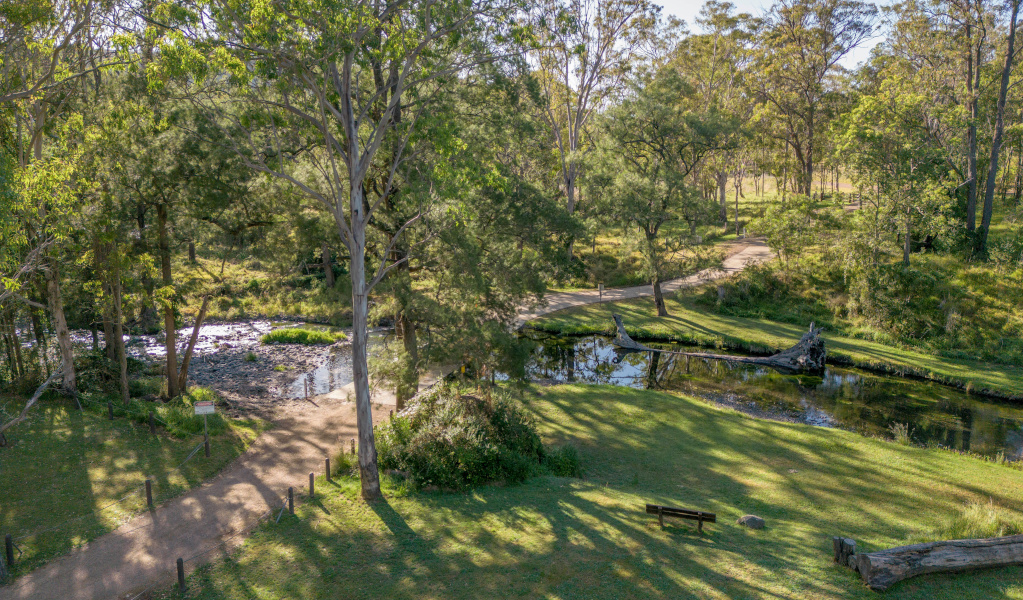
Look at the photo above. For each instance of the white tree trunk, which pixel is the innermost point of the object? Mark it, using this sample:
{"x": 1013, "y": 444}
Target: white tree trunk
{"x": 368, "y": 474}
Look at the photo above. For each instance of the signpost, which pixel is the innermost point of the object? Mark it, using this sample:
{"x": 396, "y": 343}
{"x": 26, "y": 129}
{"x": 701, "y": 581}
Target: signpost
{"x": 205, "y": 408}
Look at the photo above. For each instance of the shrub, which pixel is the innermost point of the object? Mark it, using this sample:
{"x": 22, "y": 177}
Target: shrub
{"x": 343, "y": 464}
{"x": 458, "y": 441}
{"x": 563, "y": 462}
{"x": 297, "y": 335}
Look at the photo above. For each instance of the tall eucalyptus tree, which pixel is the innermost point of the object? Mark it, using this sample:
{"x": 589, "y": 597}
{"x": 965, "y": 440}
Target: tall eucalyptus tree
{"x": 314, "y": 92}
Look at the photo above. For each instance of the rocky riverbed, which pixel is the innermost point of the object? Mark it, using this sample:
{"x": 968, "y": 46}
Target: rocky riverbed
{"x": 252, "y": 377}
{"x": 261, "y": 378}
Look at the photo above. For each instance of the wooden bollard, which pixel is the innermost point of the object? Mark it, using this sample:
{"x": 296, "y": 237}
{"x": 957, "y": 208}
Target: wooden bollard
{"x": 110, "y": 409}
{"x": 291, "y": 501}
{"x": 152, "y": 423}
{"x": 353, "y": 445}
{"x": 9, "y": 547}
{"x": 328, "y": 469}
{"x": 181, "y": 576}
{"x": 312, "y": 485}
{"x": 149, "y": 493}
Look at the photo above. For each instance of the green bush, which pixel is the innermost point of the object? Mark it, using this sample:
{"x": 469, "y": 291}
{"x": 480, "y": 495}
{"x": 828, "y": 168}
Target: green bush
{"x": 145, "y": 386}
{"x": 343, "y": 464}
{"x": 297, "y": 335}
{"x": 563, "y": 462}
{"x": 457, "y": 441}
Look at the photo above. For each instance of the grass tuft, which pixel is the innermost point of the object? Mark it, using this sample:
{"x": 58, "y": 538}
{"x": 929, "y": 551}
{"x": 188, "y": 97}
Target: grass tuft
{"x": 979, "y": 520}
{"x": 298, "y": 335}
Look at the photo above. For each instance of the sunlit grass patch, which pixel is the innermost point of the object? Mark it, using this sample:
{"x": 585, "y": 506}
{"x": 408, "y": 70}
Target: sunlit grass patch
{"x": 572, "y": 539}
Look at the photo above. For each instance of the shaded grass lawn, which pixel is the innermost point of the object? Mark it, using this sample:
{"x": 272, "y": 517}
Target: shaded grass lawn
{"x": 589, "y": 538}
{"x": 689, "y": 325}
{"x": 65, "y": 464}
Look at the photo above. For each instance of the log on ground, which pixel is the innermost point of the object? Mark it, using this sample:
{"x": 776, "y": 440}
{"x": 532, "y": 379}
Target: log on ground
{"x": 880, "y": 570}
{"x": 807, "y": 356}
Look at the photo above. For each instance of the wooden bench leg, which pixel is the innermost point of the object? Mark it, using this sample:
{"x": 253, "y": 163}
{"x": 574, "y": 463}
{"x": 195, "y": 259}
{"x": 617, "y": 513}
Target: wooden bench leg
{"x": 699, "y": 525}
{"x": 660, "y": 517}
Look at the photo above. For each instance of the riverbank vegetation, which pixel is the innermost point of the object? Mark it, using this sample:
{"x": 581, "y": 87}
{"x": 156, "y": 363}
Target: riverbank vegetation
{"x": 590, "y": 538}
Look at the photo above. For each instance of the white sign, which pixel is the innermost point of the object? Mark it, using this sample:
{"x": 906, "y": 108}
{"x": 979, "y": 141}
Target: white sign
{"x": 204, "y": 408}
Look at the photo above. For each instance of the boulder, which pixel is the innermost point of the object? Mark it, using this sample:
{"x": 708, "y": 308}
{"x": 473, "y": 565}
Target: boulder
{"x": 751, "y": 521}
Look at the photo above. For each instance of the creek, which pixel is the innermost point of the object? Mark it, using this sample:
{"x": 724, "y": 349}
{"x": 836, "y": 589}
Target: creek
{"x": 877, "y": 405}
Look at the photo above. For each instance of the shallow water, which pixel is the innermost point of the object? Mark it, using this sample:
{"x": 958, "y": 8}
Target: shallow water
{"x": 847, "y": 398}
{"x": 334, "y": 373}
{"x": 212, "y": 337}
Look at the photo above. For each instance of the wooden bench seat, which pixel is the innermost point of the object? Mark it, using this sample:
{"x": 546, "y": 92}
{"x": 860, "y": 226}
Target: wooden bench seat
{"x": 699, "y": 516}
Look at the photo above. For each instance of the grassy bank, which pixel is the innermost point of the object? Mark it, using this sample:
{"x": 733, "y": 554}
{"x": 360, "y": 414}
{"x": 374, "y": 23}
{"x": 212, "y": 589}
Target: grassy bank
{"x": 66, "y": 469}
{"x": 690, "y": 325}
{"x": 589, "y": 538}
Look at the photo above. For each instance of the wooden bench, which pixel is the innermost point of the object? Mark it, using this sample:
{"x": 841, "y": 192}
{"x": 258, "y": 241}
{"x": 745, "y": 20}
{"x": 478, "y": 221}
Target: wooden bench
{"x": 699, "y": 516}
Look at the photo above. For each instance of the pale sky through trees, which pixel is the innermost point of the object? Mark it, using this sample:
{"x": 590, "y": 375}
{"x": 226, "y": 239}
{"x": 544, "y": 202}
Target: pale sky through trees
{"x": 688, "y": 9}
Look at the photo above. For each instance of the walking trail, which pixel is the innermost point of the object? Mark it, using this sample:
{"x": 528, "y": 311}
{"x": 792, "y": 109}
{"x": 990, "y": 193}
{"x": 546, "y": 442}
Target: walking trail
{"x": 217, "y": 515}
{"x": 742, "y": 253}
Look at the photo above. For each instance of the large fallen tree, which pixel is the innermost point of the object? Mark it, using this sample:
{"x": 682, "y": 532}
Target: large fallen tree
{"x": 880, "y": 570}
{"x": 807, "y": 356}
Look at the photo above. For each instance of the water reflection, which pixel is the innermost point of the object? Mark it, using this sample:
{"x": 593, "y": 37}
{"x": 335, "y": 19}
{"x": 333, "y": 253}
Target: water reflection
{"x": 334, "y": 373}
{"x": 846, "y": 398}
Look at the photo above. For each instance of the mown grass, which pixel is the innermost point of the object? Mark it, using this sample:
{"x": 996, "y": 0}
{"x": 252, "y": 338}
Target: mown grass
{"x": 690, "y": 325}
{"x": 589, "y": 538}
{"x": 64, "y": 465}
{"x": 297, "y": 335}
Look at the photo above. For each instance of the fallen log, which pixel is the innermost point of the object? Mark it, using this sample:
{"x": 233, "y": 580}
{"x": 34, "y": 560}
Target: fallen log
{"x": 807, "y": 356}
{"x": 880, "y": 570}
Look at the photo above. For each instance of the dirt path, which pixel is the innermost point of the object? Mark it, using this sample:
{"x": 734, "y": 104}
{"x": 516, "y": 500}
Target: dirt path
{"x": 143, "y": 551}
{"x": 742, "y": 253}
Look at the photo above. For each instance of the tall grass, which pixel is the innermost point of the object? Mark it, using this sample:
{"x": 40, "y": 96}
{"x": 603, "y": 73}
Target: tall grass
{"x": 979, "y": 520}
{"x": 297, "y": 335}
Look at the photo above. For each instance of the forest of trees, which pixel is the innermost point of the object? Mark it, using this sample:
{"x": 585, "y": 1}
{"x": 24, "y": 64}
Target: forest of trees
{"x": 448, "y": 161}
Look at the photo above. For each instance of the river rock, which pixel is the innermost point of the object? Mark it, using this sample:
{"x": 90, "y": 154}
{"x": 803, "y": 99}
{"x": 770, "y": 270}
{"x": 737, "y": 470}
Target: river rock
{"x": 751, "y": 521}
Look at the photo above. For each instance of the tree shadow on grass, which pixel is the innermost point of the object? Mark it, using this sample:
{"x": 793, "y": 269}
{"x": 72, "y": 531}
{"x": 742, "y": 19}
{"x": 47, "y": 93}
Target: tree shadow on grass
{"x": 570, "y": 538}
